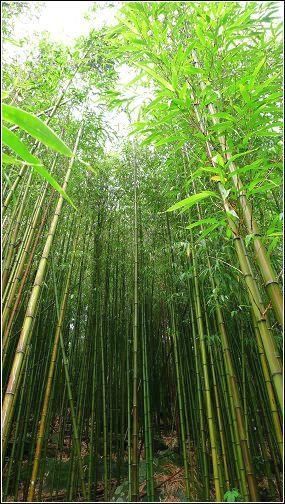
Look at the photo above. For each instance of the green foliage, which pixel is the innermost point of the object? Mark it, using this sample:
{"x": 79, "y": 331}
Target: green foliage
{"x": 35, "y": 127}
{"x": 243, "y": 96}
{"x": 191, "y": 200}
{"x": 232, "y": 495}
{"x": 38, "y": 130}
{"x": 14, "y": 143}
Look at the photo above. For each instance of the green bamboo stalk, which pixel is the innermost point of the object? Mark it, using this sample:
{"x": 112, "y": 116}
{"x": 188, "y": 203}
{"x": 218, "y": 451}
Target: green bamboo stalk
{"x": 25, "y": 336}
{"x": 239, "y": 426}
{"x": 204, "y": 361}
{"x": 178, "y": 374}
{"x": 69, "y": 394}
{"x": 20, "y": 263}
{"x": 104, "y": 415}
{"x": 253, "y": 291}
{"x": 14, "y": 237}
{"x": 134, "y": 462}
{"x": 17, "y": 432}
{"x": 263, "y": 260}
{"x": 16, "y": 305}
{"x": 49, "y": 383}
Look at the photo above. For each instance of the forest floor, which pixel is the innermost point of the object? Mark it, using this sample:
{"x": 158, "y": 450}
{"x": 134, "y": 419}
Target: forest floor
{"x": 169, "y": 476}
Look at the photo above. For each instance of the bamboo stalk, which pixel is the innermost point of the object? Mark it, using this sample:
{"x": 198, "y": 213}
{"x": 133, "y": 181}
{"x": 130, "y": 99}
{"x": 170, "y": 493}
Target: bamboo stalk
{"x": 25, "y": 336}
{"x": 49, "y": 383}
{"x": 263, "y": 260}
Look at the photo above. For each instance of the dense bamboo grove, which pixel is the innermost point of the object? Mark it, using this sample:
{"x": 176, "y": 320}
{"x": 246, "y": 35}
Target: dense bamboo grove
{"x": 142, "y": 271}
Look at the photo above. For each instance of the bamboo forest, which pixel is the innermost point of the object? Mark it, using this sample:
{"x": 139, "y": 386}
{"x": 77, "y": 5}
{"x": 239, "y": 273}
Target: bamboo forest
{"x": 142, "y": 251}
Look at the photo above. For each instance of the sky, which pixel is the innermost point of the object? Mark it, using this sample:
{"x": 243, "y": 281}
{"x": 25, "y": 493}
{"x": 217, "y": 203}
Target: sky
{"x": 65, "y": 21}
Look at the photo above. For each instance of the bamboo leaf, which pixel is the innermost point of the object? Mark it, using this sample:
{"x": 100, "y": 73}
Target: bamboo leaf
{"x": 88, "y": 166}
{"x": 211, "y": 228}
{"x": 248, "y": 239}
{"x": 192, "y": 70}
{"x": 210, "y": 220}
{"x": 191, "y": 200}
{"x": 266, "y": 133}
{"x": 14, "y": 143}
{"x": 168, "y": 140}
{"x": 250, "y": 167}
{"x": 244, "y": 93}
{"x": 224, "y": 115}
{"x": 48, "y": 177}
{"x": 236, "y": 156}
{"x": 220, "y": 127}
{"x": 157, "y": 77}
{"x": 257, "y": 70}
{"x": 12, "y": 41}
{"x": 207, "y": 169}
{"x": 276, "y": 233}
{"x": 13, "y": 161}
{"x": 39, "y": 168}
{"x": 35, "y": 127}
{"x": 273, "y": 245}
